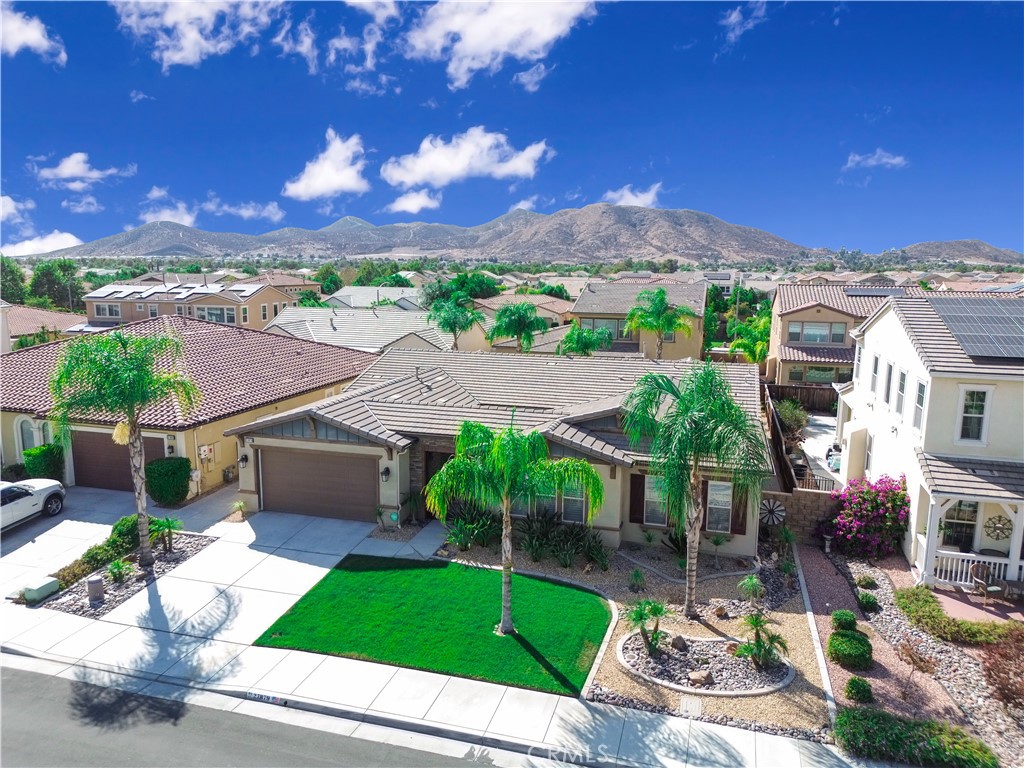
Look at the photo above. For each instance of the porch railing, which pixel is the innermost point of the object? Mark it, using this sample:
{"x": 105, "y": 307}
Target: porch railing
{"x": 955, "y": 567}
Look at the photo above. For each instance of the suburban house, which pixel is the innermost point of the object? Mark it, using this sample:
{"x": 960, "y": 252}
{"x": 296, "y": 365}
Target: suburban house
{"x": 605, "y": 305}
{"x": 373, "y": 330}
{"x": 366, "y": 296}
{"x": 546, "y": 343}
{"x": 938, "y": 395}
{"x": 28, "y": 321}
{"x": 372, "y": 449}
{"x": 250, "y": 305}
{"x": 553, "y": 309}
{"x": 291, "y": 285}
{"x": 242, "y": 374}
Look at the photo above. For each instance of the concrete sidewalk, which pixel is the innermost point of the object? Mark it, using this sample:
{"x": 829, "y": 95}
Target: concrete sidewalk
{"x": 192, "y": 630}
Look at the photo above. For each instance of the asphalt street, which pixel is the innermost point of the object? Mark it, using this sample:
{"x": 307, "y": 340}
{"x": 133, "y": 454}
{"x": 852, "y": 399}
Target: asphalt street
{"x": 50, "y": 721}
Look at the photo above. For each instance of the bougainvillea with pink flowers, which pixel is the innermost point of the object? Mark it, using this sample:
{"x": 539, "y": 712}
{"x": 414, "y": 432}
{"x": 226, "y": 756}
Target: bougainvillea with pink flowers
{"x": 872, "y": 517}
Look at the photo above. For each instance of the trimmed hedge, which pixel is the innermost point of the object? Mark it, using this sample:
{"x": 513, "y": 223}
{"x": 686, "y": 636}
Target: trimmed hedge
{"x": 850, "y": 649}
{"x": 924, "y": 610}
{"x": 877, "y": 735}
{"x": 843, "y": 619}
{"x": 167, "y": 479}
{"x": 858, "y": 689}
{"x": 13, "y": 473}
{"x": 45, "y": 461}
{"x": 867, "y": 602}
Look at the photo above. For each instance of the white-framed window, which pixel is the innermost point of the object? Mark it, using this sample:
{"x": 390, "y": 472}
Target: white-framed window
{"x": 276, "y": 309}
{"x": 972, "y": 414}
{"x": 719, "y": 512}
{"x": 901, "y": 391}
{"x": 793, "y": 332}
{"x": 140, "y": 307}
{"x": 245, "y": 315}
{"x": 670, "y": 337}
{"x": 30, "y": 434}
{"x": 856, "y": 361}
{"x": 959, "y": 525}
{"x": 796, "y": 374}
{"x": 574, "y": 505}
{"x": 154, "y": 310}
{"x": 816, "y": 332}
{"x": 655, "y": 511}
{"x": 874, "y": 374}
{"x": 922, "y": 389}
{"x": 263, "y": 311}
{"x": 179, "y": 310}
{"x": 108, "y": 310}
{"x": 887, "y": 394}
{"x": 869, "y": 445}
{"x": 838, "y": 333}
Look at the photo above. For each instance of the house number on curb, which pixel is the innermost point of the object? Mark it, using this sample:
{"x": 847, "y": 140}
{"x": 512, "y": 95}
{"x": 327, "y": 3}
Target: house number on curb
{"x": 265, "y": 698}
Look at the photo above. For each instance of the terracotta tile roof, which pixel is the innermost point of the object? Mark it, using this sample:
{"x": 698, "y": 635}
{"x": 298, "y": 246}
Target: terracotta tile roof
{"x": 550, "y": 303}
{"x": 789, "y": 297}
{"x": 983, "y": 478}
{"x": 618, "y": 298}
{"x": 791, "y": 354}
{"x": 22, "y": 321}
{"x": 236, "y": 369}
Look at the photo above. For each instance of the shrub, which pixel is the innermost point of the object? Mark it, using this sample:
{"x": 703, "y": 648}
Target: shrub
{"x": 793, "y": 419}
{"x": 924, "y": 610}
{"x": 676, "y": 542}
{"x": 13, "y": 473}
{"x": 844, "y": 620}
{"x": 866, "y": 582}
{"x": 867, "y": 602}
{"x": 1001, "y": 663}
{"x": 124, "y": 537}
{"x": 460, "y": 534}
{"x": 858, "y": 689}
{"x": 98, "y": 556}
{"x": 167, "y": 479}
{"x": 565, "y": 552}
{"x": 877, "y": 735}
{"x": 45, "y": 461}
{"x": 119, "y": 570}
{"x": 850, "y": 649}
{"x": 534, "y": 546}
{"x": 541, "y": 526}
{"x": 486, "y": 529}
{"x": 872, "y": 517}
{"x": 637, "y": 580}
{"x": 72, "y": 572}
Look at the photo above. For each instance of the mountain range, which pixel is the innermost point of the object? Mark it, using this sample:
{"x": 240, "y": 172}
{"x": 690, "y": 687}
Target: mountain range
{"x": 599, "y": 233}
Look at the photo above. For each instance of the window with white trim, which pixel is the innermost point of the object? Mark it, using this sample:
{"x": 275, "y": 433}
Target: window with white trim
{"x": 959, "y": 524}
{"x": 922, "y": 388}
{"x": 796, "y": 373}
{"x": 816, "y": 332}
{"x": 869, "y": 445}
{"x": 719, "y": 512}
{"x": 276, "y": 309}
{"x": 655, "y": 510}
{"x": 108, "y": 310}
{"x": 245, "y": 315}
{"x": 154, "y": 310}
{"x": 856, "y": 361}
{"x": 887, "y": 394}
{"x": 901, "y": 391}
{"x": 574, "y": 504}
{"x": 973, "y": 410}
{"x": 179, "y": 309}
{"x": 140, "y": 307}
{"x": 874, "y": 374}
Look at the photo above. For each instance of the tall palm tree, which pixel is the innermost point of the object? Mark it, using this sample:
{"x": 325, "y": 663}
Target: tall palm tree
{"x": 584, "y": 341}
{"x": 653, "y": 313}
{"x": 497, "y": 470}
{"x": 120, "y": 376}
{"x": 518, "y": 321}
{"x": 699, "y": 430}
{"x": 454, "y": 318}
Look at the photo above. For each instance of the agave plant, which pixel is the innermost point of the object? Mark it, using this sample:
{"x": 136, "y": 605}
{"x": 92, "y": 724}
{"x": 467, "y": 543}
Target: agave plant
{"x": 162, "y": 529}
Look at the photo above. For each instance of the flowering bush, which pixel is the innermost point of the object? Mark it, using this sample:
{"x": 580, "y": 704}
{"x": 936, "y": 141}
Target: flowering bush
{"x": 872, "y": 517}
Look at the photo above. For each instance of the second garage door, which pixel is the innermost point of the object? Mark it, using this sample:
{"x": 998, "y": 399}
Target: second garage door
{"x": 102, "y": 463}
{"x": 320, "y": 484}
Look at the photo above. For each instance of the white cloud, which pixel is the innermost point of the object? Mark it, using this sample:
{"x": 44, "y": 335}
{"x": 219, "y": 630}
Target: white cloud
{"x": 42, "y": 244}
{"x": 179, "y": 214}
{"x": 336, "y": 170}
{"x": 342, "y": 45}
{"x": 381, "y": 10}
{"x": 251, "y": 210}
{"x": 530, "y": 79}
{"x": 366, "y": 85}
{"x": 646, "y": 198}
{"x": 137, "y": 96}
{"x": 13, "y": 212}
{"x": 527, "y": 204}
{"x": 476, "y": 37}
{"x": 83, "y": 204}
{"x": 473, "y": 154}
{"x": 156, "y": 193}
{"x": 185, "y": 33}
{"x": 743, "y": 18}
{"x": 75, "y": 173}
{"x": 877, "y": 159}
{"x": 302, "y": 43}
{"x": 415, "y": 201}
{"x": 20, "y": 32}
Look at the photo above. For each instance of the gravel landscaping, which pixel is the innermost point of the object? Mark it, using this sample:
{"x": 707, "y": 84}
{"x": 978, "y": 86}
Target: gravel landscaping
{"x": 406, "y": 533}
{"x": 75, "y": 599}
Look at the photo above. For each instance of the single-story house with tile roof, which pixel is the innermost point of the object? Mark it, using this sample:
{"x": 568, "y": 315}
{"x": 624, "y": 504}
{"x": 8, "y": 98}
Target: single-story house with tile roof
{"x": 377, "y": 444}
{"x": 366, "y": 296}
{"x": 243, "y": 374}
{"x": 373, "y": 330}
{"x": 26, "y": 321}
{"x": 551, "y": 308}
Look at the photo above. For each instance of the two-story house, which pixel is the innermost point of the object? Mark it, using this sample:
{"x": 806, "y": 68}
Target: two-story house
{"x": 938, "y": 396}
{"x": 554, "y": 310}
{"x": 605, "y": 305}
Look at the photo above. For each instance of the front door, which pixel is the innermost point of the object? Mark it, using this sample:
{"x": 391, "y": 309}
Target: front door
{"x": 432, "y": 463}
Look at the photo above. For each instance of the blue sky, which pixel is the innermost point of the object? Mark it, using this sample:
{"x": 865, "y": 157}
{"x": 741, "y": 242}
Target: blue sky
{"x": 864, "y": 125}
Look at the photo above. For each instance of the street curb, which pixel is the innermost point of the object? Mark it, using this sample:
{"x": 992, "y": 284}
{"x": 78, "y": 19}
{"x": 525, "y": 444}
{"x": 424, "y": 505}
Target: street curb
{"x": 826, "y": 681}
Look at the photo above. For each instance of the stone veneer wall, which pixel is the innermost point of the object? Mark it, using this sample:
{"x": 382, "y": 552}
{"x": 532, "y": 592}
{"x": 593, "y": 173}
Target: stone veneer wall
{"x": 417, "y": 459}
{"x": 804, "y": 509}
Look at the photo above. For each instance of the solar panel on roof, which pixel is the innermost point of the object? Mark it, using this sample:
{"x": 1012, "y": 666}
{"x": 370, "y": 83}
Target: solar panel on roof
{"x": 856, "y": 290}
{"x": 984, "y": 327}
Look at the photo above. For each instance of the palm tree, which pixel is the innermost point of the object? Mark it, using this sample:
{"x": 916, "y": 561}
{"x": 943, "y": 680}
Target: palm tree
{"x": 518, "y": 321}
{"x": 500, "y": 470}
{"x": 653, "y": 313}
{"x": 584, "y": 341}
{"x": 753, "y": 337}
{"x": 454, "y": 318}
{"x": 701, "y": 429}
{"x": 119, "y": 376}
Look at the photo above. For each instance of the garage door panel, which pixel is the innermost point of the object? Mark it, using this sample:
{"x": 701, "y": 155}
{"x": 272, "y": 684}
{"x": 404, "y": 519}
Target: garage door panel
{"x": 322, "y": 484}
{"x": 99, "y": 462}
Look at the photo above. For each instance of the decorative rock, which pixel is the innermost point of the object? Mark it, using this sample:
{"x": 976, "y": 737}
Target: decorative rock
{"x": 730, "y": 648}
{"x": 680, "y": 644}
{"x": 701, "y": 677}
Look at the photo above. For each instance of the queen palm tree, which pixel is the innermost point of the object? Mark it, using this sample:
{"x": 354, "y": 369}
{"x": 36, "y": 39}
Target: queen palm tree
{"x": 584, "y": 341}
{"x": 752, "y": 337}
{"x": 518, "y": 321}
{"x": 116, "y": 375}
{"x": 653, "y": 313}
{"x": 454, "y": 318}
{"x": 694, "y": 427}
{"x": 499, "y": 470}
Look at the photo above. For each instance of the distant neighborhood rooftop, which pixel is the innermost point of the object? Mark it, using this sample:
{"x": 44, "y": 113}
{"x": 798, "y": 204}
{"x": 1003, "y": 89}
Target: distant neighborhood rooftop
{"x": 550, "y": 303}
{"x": 618, "y": 298}
{"x": 361, "y": 296}
{"x": 236, "y": 292}
{"x": 24, "y": 321}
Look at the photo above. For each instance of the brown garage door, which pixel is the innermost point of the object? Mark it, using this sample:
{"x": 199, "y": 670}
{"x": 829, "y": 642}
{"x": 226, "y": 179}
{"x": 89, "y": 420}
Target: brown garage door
{"x": 102, "y": 463}
{"x": 320, "y": 484}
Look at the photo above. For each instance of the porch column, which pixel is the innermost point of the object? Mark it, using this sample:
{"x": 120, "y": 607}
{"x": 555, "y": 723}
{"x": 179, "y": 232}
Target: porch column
{"x": 1014, "y": 513}
{"x": 931, "y": 541}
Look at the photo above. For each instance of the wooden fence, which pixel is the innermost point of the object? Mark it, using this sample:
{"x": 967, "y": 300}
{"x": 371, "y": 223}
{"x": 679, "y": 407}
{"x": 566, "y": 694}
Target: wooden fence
{"x": 816, "y": 399}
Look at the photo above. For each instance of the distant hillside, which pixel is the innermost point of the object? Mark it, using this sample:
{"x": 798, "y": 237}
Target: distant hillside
{"x": 594, "y": 234}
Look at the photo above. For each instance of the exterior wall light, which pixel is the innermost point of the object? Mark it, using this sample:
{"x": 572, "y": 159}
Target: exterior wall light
{"x": 385, "y": 474}
{"x": 243, "y": 460}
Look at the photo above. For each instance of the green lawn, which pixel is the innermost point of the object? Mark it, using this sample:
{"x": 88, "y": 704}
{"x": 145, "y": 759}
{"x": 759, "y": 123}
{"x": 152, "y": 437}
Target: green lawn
{"x": 441, "y": 617}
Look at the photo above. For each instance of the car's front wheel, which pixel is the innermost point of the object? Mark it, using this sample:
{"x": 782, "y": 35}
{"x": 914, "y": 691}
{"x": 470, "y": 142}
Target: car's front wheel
{"x": 53, "y": 505}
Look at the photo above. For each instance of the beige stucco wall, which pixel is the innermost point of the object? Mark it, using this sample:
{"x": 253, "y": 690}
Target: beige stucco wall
{"x": 1005, "y": 419}
{"x": 777, "y": 371}
{"x": 683, "y": 346}
{"x": 129, "y": 313}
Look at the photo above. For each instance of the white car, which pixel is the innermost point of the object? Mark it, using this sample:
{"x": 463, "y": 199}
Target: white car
{"x": 29, "y": 497}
